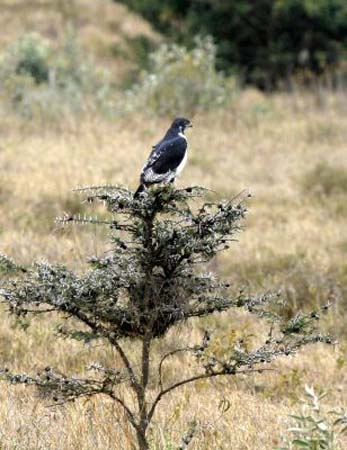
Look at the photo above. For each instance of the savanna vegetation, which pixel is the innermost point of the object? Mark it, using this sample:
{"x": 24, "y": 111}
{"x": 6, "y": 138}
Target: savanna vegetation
{"x": 77, "y": 110}
{"x": 267, "y": 42}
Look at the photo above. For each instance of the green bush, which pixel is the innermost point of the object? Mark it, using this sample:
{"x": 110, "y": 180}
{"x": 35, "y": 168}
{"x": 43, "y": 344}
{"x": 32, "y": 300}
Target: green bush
{"x": 181, "y": 81}
{"x": 28, "y": 57}
{"x": 266, "y": 40}
{"x": 40, "y": 80}
{"x": 316, "y": 427}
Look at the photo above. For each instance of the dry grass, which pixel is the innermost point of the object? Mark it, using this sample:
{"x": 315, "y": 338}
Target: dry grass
{"x": 295, "y": 240}
{"x": 292, "y": 242}
{"x": 103, "y": 26}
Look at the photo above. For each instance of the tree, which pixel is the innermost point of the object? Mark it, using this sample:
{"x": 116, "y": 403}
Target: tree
{"x": 145, "y": 285}
{"x": 266, "y": 41}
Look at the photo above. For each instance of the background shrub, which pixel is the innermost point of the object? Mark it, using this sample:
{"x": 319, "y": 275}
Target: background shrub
{"x": 181, "y": 81}
{"x": 267, "y": 41}
{"x": 45, "y": 81}
{"x": 316, "y": 427}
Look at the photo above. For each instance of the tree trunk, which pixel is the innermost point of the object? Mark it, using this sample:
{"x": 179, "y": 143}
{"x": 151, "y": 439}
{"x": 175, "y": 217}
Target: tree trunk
{"x": 141, "y": 431}
{"x": 141, "y": 440}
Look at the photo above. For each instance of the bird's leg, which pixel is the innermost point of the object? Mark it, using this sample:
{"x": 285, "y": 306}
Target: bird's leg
{"x": 140, "y": 190}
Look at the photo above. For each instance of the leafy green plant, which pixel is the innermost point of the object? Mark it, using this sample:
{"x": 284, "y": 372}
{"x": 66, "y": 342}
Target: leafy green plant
{"x": 181, "y": 80}
{"x": 316, "y": 427}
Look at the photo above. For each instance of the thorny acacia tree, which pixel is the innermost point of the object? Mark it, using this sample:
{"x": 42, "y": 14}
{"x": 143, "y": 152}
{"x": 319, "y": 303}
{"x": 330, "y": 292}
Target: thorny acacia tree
{"x": 147, "y": 284}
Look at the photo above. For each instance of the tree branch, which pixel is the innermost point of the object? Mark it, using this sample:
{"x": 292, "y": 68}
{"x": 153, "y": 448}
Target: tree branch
{"x": 134, "y": 382}
{"x": 196, "y": 378}
{"x": 128, "y": 411}
{"x": 167, "y": 355}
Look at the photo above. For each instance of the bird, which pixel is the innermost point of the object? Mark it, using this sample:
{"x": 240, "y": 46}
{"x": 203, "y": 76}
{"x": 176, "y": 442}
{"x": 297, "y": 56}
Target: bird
{"x": 167, "y": 158}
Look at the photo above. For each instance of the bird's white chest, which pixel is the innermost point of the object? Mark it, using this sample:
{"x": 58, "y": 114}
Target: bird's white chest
{"x": 184, "y": 160}
{"x": 182, "y": 135}
{"x": 180, "y": 167}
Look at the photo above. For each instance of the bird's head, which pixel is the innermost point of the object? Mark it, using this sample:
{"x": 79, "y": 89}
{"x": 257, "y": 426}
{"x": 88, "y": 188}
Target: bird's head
{"x": 180, "y": 124}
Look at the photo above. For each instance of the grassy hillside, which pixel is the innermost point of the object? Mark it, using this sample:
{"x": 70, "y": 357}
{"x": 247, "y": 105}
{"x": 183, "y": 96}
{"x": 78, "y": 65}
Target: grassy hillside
{"x": 288, "y": 151}
{"x": 102, "y": 26}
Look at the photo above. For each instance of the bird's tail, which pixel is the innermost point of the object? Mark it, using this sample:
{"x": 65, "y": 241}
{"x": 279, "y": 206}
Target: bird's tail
{"x": 140, "y": 189}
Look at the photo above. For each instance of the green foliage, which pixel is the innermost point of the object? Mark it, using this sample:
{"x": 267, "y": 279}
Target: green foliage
{"x": 28, "y": 57}
{"x": 39, "y": 80}
{"x": 8, "y": 266}
{"x": 316, "y": 427}
{"x": 181, "y": 80}
{"x": 139, "y": 49}
{"x": 161, "y": 254}
{"x": 267, "y": 40}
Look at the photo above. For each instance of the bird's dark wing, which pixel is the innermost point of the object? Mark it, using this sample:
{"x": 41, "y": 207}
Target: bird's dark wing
{"x": 167, "y": 155}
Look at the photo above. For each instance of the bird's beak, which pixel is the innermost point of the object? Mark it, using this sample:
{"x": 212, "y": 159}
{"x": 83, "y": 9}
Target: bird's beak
{"x": 190, "y": 125}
